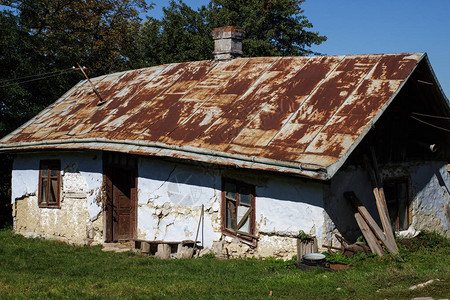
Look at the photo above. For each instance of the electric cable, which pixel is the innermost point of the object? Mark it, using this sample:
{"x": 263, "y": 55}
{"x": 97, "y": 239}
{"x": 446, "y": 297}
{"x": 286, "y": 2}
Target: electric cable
{"x": 429, "y": 124}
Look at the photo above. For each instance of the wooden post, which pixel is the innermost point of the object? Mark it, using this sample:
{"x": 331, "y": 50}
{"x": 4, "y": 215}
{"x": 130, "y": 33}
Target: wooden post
{"x": 380, "y": 201}
{"x": 163, "y": 251}
{"x": 388, "y": 230}
{"x": 145, "y": 248}
{"x": 305, "y": 247}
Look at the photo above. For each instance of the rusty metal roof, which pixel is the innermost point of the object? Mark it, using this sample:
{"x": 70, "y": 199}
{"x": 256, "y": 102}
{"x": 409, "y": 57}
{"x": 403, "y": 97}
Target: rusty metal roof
{"x": 301, "y": 115}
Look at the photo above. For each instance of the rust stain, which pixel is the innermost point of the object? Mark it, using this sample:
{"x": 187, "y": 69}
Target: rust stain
{"x": 297, "y": 109}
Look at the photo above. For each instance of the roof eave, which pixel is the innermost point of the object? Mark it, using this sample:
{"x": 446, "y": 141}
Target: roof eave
{"x": 171, "y": 151}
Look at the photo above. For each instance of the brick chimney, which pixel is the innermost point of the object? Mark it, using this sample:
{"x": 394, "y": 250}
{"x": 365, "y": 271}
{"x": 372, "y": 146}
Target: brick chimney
{"x": 227, "y": 42}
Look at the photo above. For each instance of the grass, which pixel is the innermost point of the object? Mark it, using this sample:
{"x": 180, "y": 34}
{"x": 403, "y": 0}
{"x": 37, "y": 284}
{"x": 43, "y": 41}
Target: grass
{"x": 33, "y": 268}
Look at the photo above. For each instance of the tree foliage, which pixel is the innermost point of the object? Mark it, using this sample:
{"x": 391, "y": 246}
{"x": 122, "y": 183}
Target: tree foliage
{"x": 273, "y": 27}
{"x": 183, "y": 34}
{"x": 47, "y": 37}
{"x": 43, "y": 36}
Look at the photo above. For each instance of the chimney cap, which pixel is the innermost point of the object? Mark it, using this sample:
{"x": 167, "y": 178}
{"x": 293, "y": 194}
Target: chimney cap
{"x": 228, "y": 32}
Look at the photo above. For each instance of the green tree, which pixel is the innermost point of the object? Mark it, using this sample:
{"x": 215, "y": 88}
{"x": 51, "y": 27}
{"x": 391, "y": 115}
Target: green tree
{"x": 183, "y": 34}
{"x": 99, "y": 33}
{"x": 273, "y": 27}
{"x": 40, "y": 40}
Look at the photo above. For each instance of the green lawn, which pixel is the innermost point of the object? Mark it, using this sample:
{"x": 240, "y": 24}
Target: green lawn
{"x": 32, "y": 268}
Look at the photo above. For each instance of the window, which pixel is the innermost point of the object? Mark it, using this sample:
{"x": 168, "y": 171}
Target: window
{"x": 398, "y": 202}
{"x": 238, "y": 209}
{"x": 49, "y": 183}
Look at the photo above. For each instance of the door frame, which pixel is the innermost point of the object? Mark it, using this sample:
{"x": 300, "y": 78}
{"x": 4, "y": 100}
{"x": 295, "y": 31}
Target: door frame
{"x": 109, "y": 166}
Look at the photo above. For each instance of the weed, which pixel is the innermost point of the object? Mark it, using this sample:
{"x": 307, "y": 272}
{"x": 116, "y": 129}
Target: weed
{"x": 208, "y": 256}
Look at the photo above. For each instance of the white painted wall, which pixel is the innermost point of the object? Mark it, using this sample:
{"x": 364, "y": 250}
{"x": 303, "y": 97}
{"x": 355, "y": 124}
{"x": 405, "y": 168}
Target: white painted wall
{"x": 81, "y": 173}
{"x": 170, "y": 199}
{"x": 171, "y": 194}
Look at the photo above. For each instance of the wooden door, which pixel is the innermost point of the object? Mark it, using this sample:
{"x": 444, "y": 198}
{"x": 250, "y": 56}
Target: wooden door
{"x": 123, "y": 208}
{"x": 120, "y": 210}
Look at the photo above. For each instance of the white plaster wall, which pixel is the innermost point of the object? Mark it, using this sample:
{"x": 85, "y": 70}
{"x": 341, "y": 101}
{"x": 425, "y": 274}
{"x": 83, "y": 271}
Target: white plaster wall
{"x": 170, "y": 199}
{"x": 430, "y": 184}
{"x": 339, "y": 212}
{"x": 285, "y": 206}
{"x": 171, "y": 194}
{"x": 81, "y": 175}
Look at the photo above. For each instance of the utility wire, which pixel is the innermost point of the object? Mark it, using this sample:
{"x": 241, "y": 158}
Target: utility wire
{"x": 35, "y": 79}
{"x": 431, "y": 116}
{"x": 35, "y": 75}
{"x": 429, "y": 124}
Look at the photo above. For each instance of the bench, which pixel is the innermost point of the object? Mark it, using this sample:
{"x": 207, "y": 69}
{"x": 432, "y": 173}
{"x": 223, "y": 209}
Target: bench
{"x": 166, "y": 249}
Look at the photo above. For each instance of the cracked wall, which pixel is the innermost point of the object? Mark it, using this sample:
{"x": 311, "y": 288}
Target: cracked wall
{"x": 171, "y": 195}
{"x": 431, "y": 197}
{"x": 78, "y": 220}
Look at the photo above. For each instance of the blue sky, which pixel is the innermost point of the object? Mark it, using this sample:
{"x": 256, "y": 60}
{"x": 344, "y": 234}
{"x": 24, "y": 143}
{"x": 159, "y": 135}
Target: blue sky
{"x": 382, "y": 26}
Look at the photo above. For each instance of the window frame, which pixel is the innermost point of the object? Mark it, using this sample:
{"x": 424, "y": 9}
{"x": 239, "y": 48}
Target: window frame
{"x": 241, "y": 235}
{"x": 51, "y": 164}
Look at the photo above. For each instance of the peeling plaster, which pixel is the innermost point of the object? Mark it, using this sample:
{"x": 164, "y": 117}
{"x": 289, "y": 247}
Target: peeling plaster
{"x": 78, "y": 218}
{"x": 170, "y": 197}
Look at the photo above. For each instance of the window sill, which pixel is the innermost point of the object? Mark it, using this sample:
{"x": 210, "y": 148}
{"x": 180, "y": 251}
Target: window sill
{"x": 49, "y": 206}
{"x": 244, "y": 237}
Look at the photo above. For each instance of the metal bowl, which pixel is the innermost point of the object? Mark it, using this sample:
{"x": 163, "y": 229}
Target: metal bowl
{"x": 313, "y": 259}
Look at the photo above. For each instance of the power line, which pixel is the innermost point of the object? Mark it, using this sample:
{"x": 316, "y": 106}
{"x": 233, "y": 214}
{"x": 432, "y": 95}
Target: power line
{"x": 431, "y": 116}
{"x": 35, "y": 75}
{"x": 53, "y": 74}
{"x": 429, "y": 124}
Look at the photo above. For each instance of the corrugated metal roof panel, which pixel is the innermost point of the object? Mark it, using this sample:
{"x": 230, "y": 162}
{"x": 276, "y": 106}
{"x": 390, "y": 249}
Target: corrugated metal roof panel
{"x": 275, "y": 110}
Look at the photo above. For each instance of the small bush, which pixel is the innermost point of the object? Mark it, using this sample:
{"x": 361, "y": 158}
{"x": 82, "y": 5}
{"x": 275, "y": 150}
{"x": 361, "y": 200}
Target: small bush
{"x": 208, "y": 256}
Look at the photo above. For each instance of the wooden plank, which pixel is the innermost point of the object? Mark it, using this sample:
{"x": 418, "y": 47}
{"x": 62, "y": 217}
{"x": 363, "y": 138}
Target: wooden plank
{"x": 384, "y": 213}
{"x": 391, "y": 247}
{"x": 305, "y": 247}
{"x": 243, "y": 219}
{"x": 381, "y": 205}
{"x": 368, "y": 235}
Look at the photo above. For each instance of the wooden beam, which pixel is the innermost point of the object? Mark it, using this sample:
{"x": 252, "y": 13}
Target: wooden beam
{"x": 368, "y": 235}
{"x": 243, "y": 219}
{"x": 391, "y": 247}
{"x": 384, "y": 213}
{"x": 381, "y": 205}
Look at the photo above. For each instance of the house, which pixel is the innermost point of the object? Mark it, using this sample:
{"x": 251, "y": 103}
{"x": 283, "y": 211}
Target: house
{"x": 267, "y": 145}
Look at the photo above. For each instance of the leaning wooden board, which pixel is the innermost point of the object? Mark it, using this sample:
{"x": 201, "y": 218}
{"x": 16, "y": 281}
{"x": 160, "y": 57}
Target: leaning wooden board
{"x": 368, "y": 235}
